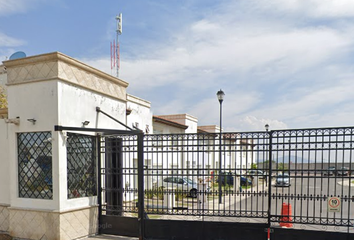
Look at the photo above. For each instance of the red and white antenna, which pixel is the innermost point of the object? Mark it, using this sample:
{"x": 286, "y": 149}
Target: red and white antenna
{"x": 115, "y": 54}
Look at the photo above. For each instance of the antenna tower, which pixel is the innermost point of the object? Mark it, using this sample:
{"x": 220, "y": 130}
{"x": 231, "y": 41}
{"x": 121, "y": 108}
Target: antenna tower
{"x": 115, "y": 53}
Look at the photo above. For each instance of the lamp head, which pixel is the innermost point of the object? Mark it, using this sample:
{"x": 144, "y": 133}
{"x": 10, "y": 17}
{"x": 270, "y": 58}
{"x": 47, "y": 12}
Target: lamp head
{"x": 220, "y": 94}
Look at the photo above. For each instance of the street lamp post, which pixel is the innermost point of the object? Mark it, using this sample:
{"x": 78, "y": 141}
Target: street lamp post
{"x": 269, "y": 143}
{"x": 220, "y": 94}
{"x": 267, "y": 128}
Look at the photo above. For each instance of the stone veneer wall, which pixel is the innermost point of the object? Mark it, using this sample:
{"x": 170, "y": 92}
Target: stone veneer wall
{"x": 78, "y": 223}
{"x": 44, "y": 225}
{"x": 57, "y": 66}
{"x": 4, "y": 218}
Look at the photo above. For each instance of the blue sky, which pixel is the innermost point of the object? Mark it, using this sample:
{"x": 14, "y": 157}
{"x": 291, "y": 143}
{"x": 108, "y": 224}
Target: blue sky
{"x": 285, "y": 63}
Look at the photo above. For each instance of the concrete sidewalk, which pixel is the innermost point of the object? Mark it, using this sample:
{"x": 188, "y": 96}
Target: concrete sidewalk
{"x": 109, "y": 237}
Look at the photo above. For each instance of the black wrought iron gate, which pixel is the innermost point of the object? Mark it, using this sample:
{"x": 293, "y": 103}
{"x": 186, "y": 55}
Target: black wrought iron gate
{"x": 278, "y": 184}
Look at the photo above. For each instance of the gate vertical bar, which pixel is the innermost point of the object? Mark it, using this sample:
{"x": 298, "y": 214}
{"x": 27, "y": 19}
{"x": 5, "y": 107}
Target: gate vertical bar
{"x": 113, "y": 175}
{"x": 141, "y": 186}
{"x": 99, "y": 181}
{"x": 270, "y": 177}
{"x": 119, "y": 179}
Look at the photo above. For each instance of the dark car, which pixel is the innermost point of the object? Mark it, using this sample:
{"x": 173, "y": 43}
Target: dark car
{"x": 330, "y": 171}
{"x": 228, "y": 178}
{"x": 343, "y": 171}
{"x": 245, "y": 181}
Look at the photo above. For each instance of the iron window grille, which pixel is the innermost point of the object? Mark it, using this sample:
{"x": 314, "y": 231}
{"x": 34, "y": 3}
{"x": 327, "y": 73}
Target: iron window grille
{"x": 81, "y": 165}
{"x": 35, "y": 165}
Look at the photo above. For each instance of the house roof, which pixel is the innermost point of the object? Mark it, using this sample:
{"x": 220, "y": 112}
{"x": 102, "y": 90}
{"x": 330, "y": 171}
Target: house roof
{"x": 169, "y": 122}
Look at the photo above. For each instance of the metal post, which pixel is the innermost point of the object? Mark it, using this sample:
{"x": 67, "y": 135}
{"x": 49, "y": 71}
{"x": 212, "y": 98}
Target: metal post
{"x": 220, "y": 94}
{"x": 99, "y": 181}
{"x": 220, "y": 193}
{"x": 141, "y": 185}
{"x": 270, "y": 176}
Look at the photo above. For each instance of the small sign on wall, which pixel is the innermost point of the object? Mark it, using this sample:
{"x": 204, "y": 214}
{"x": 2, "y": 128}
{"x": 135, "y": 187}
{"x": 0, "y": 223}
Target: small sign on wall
{"x": 334, "y": 204}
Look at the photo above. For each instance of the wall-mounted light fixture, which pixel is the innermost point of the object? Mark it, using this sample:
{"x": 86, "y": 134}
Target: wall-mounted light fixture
{"x": 15, "y": 121}
{"x": 32, "y": 120}
{"x": 85, "y": 123}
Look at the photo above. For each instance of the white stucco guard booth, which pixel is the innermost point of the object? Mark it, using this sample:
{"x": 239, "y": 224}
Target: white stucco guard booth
{"x": 50, "y": 190}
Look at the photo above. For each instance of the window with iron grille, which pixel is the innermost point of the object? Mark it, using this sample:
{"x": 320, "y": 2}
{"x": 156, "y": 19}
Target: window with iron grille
{"x": 35, "y": 165}
{"x": 81, "y": 165}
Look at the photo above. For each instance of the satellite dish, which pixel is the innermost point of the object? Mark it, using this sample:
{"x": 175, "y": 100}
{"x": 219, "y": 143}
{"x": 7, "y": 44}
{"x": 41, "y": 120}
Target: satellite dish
{"x": 17, "y": 55}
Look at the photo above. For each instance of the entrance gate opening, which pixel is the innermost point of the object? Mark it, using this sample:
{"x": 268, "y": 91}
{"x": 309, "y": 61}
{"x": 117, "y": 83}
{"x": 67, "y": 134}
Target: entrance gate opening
{"x": 166, "y": 186}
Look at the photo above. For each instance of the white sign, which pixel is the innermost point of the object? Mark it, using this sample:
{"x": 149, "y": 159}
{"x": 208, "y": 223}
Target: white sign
{"x": 334, "y": 204}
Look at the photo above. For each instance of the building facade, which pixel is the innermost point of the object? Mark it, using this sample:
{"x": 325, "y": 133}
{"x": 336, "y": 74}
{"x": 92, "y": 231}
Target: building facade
{"x": 48, "y": 178}
{"x": 46, "y": 187}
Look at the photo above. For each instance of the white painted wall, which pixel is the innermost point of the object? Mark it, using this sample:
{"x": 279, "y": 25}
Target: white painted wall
{"x": 76, "y": 105}
{"x": 4, "y": 163}
{"x": 34, "y": 100}
{"x": 192, "y": 124}
{"x": 141, "y": 117}
{"x": 4, "y": 151}
{"x": 140, "y": 114}
{"x": 56, "y": 103}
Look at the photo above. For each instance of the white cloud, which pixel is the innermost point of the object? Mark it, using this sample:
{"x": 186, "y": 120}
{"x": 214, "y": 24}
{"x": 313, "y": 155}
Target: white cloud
{"x": 252, "y": 123}
{"x": 285, "y": 52}
{"x": 9, "y": 7}
{"x": 6, "y": 41}
{"x": 311, "y": 106}
{"x": 238, "y": 54}
{"x": 312, "y": 8}
{"x": 207, "y": 49}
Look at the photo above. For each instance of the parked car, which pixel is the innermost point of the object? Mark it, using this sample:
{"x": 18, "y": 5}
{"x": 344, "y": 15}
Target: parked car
{"x": 180, "y": 183}
{"x": 282, "y": 180}
{"x": 245, "y": 181}
{"x": 330, "y": 171}
{"x": 343, "y": 171}
{"x": 256, "y": 173}
{"x": 228, "y": 178}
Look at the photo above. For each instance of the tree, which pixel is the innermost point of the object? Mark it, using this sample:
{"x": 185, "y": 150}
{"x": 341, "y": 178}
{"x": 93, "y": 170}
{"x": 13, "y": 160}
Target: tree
{"x": 253, "y": 166}
{"x": 266, "y": 163}
{"x": 3, "y": 99}
{"x": 282, "y": 166}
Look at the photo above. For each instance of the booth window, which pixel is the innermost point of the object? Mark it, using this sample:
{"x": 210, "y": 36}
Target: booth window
{"x": 81, "y": 167}
{"x": 35, "y": 165}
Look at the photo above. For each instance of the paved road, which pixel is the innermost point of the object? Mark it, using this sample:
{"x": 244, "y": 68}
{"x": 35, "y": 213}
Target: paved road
{"x": 308, "y": 196}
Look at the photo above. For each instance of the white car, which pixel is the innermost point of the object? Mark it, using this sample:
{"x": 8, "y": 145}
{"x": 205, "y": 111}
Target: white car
{"x": 283, "y": 180}
{"x": 180, "y": 183}
{"x": 256, "y": 172}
